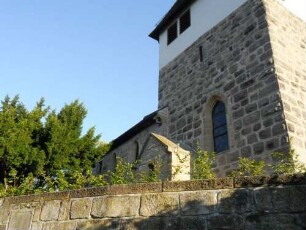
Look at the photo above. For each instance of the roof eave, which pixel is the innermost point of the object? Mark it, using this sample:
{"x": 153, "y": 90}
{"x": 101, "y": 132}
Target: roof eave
{"x": 178, "y": 7}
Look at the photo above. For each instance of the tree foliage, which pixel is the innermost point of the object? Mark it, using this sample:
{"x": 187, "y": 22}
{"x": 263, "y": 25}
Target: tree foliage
{"x": 41, "y": 142}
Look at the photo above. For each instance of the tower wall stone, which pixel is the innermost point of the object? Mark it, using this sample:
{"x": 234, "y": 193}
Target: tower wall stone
{"x": 288, "y": 40}
{"x": 243, "y": 65}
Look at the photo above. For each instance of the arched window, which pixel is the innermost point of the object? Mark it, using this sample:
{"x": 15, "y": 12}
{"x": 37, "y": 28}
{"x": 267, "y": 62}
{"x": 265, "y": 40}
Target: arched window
{"x": 220, "y": 135}
{"x": 114, "y": 161}
{"x": 136, "y": 150}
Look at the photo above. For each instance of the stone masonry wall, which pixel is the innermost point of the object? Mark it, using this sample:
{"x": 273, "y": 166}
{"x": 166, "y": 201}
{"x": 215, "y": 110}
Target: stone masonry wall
{"x": 237, "y": 67}
{"x": 288, "y": 39}
{"x": 277, "y": 202}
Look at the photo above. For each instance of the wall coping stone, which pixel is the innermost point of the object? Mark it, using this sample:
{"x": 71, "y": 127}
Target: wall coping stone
{"x": 159, "y": 187}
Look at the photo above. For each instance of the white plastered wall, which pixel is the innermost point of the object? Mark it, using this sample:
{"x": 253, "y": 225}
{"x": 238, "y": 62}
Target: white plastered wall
{"x": 205, "y": 14}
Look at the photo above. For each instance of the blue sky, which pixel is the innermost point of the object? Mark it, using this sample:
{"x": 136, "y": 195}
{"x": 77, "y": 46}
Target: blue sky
{"x": 97, "y": 51}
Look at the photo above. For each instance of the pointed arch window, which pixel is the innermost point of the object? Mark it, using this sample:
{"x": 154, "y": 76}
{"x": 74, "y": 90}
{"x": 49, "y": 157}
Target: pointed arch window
{"x": 135, "y": 150}
{"x": 220, "y": 134}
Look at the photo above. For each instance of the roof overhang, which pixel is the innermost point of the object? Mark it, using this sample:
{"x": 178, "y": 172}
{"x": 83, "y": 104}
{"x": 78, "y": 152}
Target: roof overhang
{"x": 146, "y": 122}
{"x": 179, "y": 7}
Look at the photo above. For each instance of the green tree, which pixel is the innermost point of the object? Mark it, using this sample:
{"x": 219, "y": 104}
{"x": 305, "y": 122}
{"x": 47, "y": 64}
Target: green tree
{"x": 20, "y": 153}
{"x": 45, "y": 145}
{"x": 64, "y": 144}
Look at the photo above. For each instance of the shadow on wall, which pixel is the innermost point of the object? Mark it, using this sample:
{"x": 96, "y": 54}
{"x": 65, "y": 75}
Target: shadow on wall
{"x": 278, "y": 207}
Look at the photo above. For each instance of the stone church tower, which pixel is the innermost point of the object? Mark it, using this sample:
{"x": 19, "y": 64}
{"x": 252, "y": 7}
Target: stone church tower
{"x": 232, "y": 78}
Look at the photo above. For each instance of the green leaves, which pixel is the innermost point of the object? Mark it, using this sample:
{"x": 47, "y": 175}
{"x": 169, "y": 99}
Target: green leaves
{"x": 249, "y": 167}
{"x": 203, "y": 164}
{"x": 43, "y": 142}
{"x": 287, "y": 162}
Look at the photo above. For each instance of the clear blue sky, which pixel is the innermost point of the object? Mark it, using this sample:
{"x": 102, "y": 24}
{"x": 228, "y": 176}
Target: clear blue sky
{"x": 97, "y": 51}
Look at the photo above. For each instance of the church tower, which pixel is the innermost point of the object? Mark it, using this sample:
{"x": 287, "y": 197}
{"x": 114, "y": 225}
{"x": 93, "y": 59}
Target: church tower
{"x": 233, "y": 78}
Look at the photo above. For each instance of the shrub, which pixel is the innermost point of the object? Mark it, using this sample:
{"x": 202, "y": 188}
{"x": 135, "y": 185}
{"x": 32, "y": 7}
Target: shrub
{"x": 287, "y": 162}
{"x": 249, "y": 167}
{"x": 124, "y": 173}
{"x": 203, "y": 164}
{"x": 154, "y": 173}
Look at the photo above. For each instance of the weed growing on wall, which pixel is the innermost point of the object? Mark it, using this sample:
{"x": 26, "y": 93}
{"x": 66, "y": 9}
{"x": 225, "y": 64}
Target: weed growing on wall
{"x": 154, "y": 172}
{"x": 203, "y": 165}
{"x": 124, "y": 172}
{"x": 287, "y": 162}
{"x": 249, "y": 167}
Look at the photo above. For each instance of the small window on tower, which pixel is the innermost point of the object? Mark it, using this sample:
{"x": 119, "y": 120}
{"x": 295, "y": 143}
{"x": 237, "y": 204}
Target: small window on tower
{"x": 185, "y": 21}
{"x": 172, "y": 33}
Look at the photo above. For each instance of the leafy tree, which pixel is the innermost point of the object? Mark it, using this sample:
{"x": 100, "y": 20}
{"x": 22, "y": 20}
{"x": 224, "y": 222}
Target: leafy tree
{"x": 45, "y": 145}
{"x": 20, "y": 153}
{"x": 64, "y": 146}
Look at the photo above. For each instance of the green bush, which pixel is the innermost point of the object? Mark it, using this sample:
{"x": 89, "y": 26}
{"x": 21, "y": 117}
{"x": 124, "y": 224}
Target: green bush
{"x": 287, "y": 162}
{"x": 203, "y": 165}
{"x": 249, "y": 167}
{"x": 124, "y": 172}
{"x": 154, "y": 173}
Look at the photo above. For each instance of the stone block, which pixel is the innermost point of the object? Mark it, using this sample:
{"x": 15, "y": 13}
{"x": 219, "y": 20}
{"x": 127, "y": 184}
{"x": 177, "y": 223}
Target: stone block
{"x": 80, "y": 208}
{"x": 108, "y": 206}
{"x": 252, "y": 138}
{"x": 37, "y": 226}
{"x": 272, "y": 144}
{"x": 251, "y": 118}
{"x": 64, "y": 210}
{"x": 104, "y": 224}
{"x": 264, "y": 134}
{"x": 246, "y": 130}
{"x": 193, "y": 223}
{"x": 303, "y": 220}
{"x": 159, "y": 205}
{"x": 272, "y": 221}
{"x": 289, "y": 199}
{"x": 246, "y": 151}
{"x": 258, "y": 148}
{"x": 4, "y": 214}
{"x": 232, "y": 157}
{"x": 251, "y": 108}
{"x": 154, "y": 223}
{"x": 36, "y": 206}
{"x": 59, "y": 226}
{"x": 50, "y": 210}
{"x": 256, "y": 127}
{"x": 240, "y": 95}
{"x": 263, "y": 199}
{"x": 238, "y": 113}
{"x": 20, "y": 219}
{"x": 198, "y": 203}
{"x": 236, "y": 201}
{"x": 225, "y": 222}
{"x": 278, "y": 129}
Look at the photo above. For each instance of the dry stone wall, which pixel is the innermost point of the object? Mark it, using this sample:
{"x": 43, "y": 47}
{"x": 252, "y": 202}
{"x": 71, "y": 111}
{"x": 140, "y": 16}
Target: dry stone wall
{"x": 277, "y": 202}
